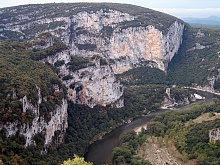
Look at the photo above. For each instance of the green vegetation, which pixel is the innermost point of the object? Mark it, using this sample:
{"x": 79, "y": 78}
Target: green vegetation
{"x": 180, "y": 94}
{"x": 21, "y": 76}
{"x": 107, "y": 31}
{"x": 59, "y": 63}
{"x": 84, "y": 125}
{"x": 39, "y": 54}
{"x": 143, "y": 75}
{"x": 41, "y": 28}
{"x": 78, "y": 62}
{"x": 139, "y": 99}
{"x": 191, "y": 140}
{"x": 126, "y": 153}
{"x": 76, "y": 161}
{"x": 67, "y": 77}
{"x": 194, "y": 67}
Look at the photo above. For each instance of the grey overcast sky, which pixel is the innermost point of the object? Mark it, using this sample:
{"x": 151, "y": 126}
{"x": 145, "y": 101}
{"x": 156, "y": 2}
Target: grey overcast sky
{"x": 178, "y": 8}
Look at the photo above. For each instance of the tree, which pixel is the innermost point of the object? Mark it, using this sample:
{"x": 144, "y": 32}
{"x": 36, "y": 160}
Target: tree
{"x": 121, "y": 155}
{"x": 76, "y": 161}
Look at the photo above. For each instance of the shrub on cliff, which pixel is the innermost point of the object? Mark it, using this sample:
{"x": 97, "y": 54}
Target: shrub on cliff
{"x": 76, "y": 161}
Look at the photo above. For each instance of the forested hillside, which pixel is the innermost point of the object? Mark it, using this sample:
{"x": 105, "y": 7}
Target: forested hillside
{"x": 19, "y": 77}
{"x": 190, "y": 135}
{"x": 197, "y": 61}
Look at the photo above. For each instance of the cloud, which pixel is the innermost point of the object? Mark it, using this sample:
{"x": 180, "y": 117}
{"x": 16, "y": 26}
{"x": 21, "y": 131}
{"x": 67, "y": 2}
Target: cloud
{"x": 185, "y": 12}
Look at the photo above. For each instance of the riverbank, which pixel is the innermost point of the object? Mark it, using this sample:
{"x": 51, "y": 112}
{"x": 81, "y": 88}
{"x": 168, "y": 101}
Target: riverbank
{"x": 100, "y": 152}
{"x": 101, "y": 135}
{"x": 204, "y": 89}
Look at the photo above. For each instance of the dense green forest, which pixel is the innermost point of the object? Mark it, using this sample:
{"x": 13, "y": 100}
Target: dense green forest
{"x": 20, "y": 76}
{"x": 192, "y": 66}
{"x": 143, "y": 75}
{"x": 85, "y": 125}
{"x": 191, "y": 139}
{"x": 126, "y": 153}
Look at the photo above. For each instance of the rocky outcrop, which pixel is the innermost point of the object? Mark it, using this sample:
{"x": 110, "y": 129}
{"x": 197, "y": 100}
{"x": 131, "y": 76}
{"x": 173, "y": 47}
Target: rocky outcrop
{"x": 214, "y": 135}
{"x": 43, "y": 41}
{"x": 37, "y": 123}
{"x": 127, "y": 48}
{"x": 183, "y": 99}
{"x": 132, "y": 46}
{"x": 91, "y": 85}
{"x": 95, "y": 85}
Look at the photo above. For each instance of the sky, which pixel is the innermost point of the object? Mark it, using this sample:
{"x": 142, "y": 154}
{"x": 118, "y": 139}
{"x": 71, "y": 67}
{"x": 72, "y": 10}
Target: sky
{"x": 178, "y": 8}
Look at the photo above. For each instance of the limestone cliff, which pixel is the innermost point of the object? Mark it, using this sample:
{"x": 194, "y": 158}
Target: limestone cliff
{"x": 56, "y": 121}
{"x": 89, "y": 34}
{"x": 93, "y": 84}
{"x": 132, "y": 46}
{"x": 125, "y": 40}
{"x": 32, "y": 98}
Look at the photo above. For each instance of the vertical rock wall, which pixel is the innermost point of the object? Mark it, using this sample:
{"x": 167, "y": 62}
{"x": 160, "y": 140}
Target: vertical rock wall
{"x": 57, "y": 122}
{"x": 132, "y": 46}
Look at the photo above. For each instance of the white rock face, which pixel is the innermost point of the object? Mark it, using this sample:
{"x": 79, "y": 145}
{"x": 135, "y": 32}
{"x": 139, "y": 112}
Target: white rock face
{"x": 95, "y": 85}
{"x": 84, "y": 34}
{"x": 198, "y": 97}
{"x": 214, "y": 135}
{"x": 138, "y": 44}
{"x": 127, "y": 48}
{"x": 96, "y": 21}
{"x": 170, "y": 103}
{"x": 57, "y": 122}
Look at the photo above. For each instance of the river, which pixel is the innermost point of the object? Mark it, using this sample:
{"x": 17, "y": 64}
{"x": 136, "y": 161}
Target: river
{"x": 100, "y": 152}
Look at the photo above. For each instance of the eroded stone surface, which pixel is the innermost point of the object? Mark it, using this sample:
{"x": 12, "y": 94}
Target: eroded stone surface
{"x": 57, "y": 122}
{"x": 214, "y": 135}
